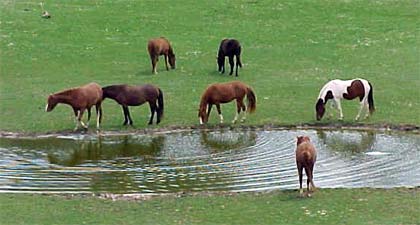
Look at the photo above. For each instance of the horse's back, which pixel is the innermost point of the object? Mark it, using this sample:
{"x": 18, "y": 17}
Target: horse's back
{"x": 158, "y": 45}
{"x": 305, "y": 153}
{"x": 230, "y": 47}
{"x": 92, "y": 93}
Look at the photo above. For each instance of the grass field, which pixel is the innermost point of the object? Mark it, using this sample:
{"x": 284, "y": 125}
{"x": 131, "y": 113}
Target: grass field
{"x": 339, "y": 206}
{"x": 290, "y": 49}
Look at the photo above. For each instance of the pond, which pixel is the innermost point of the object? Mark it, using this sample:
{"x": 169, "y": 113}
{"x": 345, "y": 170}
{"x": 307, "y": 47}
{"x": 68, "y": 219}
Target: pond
{"x": 217, "y": 160}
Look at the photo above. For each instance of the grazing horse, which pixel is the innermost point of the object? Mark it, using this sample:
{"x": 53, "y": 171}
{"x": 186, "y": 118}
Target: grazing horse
{"x": 160, "y": 46}
{"x": 347, "y": 89}
{"x": 130, "y": 95}
{"x": 229, "y": 48}
{"x": 305, "y": 159}
{"x": 80, "y": 99}
{"x": 219, "y": 93}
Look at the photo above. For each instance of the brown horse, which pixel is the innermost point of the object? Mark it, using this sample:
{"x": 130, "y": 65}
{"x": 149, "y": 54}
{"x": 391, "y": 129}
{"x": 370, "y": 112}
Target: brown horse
{"x": 229, "y": 48}
{"x": 219, "y": 93}
{"x": 305, "y": 159}
{"x": 80, "y": 99}
{"x": 129, "y": 95}
{"x": 161, "y": 46}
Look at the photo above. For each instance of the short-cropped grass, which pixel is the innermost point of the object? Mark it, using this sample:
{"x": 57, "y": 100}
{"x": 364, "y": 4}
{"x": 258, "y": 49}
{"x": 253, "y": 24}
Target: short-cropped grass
{"x": 290, "y": 49}
{"x": 327, "y": 206}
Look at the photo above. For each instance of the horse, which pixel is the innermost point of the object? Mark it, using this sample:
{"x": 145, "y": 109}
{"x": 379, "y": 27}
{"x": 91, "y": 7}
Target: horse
{"x": 160, "y": 46}
{"x": 130, "y": 95}
{"x": 80, "y": 99}
{"x": 305, "y": 159}
{"x": 345, "y": 89}
{"x": 229, "y": 48}
{"x": 219, "y": 93}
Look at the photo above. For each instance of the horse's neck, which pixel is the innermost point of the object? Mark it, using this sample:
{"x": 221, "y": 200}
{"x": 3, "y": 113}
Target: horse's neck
{"x": 64, "y": 97}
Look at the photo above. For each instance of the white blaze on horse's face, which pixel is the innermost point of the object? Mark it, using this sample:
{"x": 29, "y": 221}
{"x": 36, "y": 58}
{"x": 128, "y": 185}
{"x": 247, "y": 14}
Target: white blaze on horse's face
{"x": 46, "y": 108}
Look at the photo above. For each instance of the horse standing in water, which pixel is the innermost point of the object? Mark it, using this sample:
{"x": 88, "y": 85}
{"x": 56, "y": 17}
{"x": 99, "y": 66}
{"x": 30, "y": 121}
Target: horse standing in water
{"x": 229, "y": 48}
{"x": 305, "y": 159}
{"x": 80, "y": 99}
{"x": 347, "y": 89}
{"x": 161, "y": 46}
{"x": 130, "y": 95}
{"x": 219, "y": 93}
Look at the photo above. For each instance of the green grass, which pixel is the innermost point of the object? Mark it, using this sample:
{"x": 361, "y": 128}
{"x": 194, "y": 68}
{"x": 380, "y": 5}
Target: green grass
{"x": 327, "y": 206}
{"x": 290, "y": 49}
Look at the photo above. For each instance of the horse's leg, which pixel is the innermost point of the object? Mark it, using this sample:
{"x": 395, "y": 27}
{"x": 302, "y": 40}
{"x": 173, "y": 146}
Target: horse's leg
{"x": 166, "y": 62}
{"x": 238, "y": 110}
{"x": 127, "y": 117}
{"x": 219, "y": 111}
{"x": 88, "y": 119}
{"x": 308, "y": 180}
{"x": 231, "y": 63}
{"x": 98, "y": 115}
{"x": 237, "y": 65}
{"x": 243, "y": 107}
{"x": 79, "y": 119}
{"x": 340, "y": 110}
{"x": 300, "y": 172}
{"x": 154, "y": 62}
{"x": 152, "y": 112}
{"x": 76, "y": 114}
{"x": 362, "y": 106}
{"x": 209, "y": 110}
{"x": 311, "y": 171}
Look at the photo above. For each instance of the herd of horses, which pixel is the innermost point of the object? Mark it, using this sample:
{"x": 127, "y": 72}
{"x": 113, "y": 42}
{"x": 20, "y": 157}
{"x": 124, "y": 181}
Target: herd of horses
{"x": 83, "y": 98}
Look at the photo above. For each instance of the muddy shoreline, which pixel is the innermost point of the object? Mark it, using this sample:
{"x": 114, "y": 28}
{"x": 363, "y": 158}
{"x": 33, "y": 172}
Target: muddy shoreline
{"x": 170, "y": 129}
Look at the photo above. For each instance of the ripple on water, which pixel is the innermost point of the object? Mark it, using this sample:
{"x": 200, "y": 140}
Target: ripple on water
{"x": 223, "y": 160}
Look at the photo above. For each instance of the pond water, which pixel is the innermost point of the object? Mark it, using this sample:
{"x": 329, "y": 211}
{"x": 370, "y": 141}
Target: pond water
{"x": 220, "y": 160}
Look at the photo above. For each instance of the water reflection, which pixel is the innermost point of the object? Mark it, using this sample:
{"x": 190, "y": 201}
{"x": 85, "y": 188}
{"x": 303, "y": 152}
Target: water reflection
{"x": 221, "y": 160}
{"x": 224, "y": 140}
{"x": 347, "y": 142}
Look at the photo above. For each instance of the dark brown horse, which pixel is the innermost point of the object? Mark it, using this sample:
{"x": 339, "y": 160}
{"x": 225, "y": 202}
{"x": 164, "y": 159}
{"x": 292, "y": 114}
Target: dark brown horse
{"x": 219, "y": 93}
{"x": 345, "y": 89}
{"x": 130, "y": 95}
{"x": 80, "y": 99}
{"x": 229, "y": 48}
{"x": 305, "y": 159}
{"x": 161, "y": 46}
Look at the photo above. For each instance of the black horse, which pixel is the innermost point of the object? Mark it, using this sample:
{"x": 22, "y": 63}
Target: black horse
{"x": 229, "y": 48}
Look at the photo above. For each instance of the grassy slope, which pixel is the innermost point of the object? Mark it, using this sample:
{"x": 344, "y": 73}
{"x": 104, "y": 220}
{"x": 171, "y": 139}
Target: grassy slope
{"x": 340, "y": 206}
{"x": 290, "y": 49}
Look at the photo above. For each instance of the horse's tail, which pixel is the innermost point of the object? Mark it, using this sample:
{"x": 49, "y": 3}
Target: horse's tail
{"x": 160, "y": 107}
{"x": 252, "y": 101}
{"x": 370, "y": 99}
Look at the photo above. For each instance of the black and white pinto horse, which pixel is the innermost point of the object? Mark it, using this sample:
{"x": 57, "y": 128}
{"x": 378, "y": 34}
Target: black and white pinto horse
{"x": 345, "y": 89}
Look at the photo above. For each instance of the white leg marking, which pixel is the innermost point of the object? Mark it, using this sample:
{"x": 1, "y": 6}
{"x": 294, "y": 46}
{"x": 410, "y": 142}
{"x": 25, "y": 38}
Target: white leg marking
{"x": 201, "y": 121}
{"x": 221, "y": 118}
{"x": 97, "y": 120}
{"x": 236, "y": 118}
{"x": 338, "y": 103}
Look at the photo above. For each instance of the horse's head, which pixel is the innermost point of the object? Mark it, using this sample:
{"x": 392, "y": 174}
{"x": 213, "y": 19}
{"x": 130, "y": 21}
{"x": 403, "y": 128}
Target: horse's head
{"x": 220, "y": 62}
{"x": 301, "y": 139}
{"x": 202, "y": 114}
{"x": 320, "y": 109}
{"x": 172, "y": 60}
{"x": 51, "y": 103}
